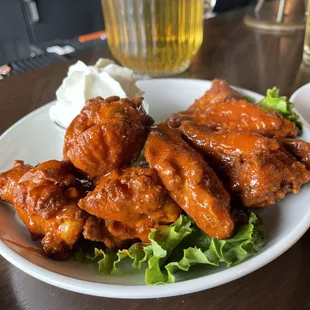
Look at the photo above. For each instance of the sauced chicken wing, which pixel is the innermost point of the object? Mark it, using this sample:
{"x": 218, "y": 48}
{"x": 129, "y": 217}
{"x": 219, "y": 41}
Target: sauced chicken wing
{"x": 131, "y": 201}
{"x": 234, "y": 114}
{"x": 298, "y": 148}
{"x": 106, "y": 134}
{"x": 113, "y": 234}
{"x": 219, "y": 92}
{"x": 190, "y": 181}
{"x": 45, "y": 198}
{"x": 252, "y": 166}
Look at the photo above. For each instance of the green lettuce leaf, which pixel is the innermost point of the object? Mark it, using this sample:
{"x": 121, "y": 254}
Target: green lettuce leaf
{"x": 178, "y": 247}
{"x": 274, "y": 101}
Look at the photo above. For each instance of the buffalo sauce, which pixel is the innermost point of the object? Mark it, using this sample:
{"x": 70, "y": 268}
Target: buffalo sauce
{"x": 25, "y": 247}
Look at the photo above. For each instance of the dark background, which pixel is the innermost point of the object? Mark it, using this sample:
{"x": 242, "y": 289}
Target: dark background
{"x": 59, "y": 19}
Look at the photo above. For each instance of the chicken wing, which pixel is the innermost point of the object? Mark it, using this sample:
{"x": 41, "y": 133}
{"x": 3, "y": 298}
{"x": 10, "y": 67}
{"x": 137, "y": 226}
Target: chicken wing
{"x": 131, "y": 201}
{"x": 106, "y": 134}
{"x": 98, "y": 229}
{"x": 251, "y": 166}
{"x": 190, "y": 181}
{"x": 45, "y": 199}
{"x": 220, "y": 92}
{"x": 234, "y": 114}
{"x": 298, "y": 148}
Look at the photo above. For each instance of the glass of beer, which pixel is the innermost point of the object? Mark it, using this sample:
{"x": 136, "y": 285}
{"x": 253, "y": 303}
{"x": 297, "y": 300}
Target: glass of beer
{"x": 155, "y": 37}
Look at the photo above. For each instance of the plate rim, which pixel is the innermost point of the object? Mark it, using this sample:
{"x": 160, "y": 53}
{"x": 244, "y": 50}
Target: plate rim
{"x": 297, "y": 91}
{"x": 143, "y": 291}
{"x": 292, "y": 99}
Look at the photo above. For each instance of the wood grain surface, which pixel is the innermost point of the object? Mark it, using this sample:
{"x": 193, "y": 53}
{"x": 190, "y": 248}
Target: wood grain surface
{"x": 246, "y": 58}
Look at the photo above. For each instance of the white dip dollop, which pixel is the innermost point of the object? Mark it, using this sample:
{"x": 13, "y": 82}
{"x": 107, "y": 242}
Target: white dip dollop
{"x": 84, "y": 82}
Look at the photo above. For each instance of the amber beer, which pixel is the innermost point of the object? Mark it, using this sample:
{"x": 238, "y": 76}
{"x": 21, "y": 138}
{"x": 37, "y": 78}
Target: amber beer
{"x": 154, "y": 37}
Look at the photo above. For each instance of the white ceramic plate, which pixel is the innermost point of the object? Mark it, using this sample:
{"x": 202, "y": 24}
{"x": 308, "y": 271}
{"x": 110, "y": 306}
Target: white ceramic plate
{"x": 35, "y": 139}
{"x": 301, "y": 100}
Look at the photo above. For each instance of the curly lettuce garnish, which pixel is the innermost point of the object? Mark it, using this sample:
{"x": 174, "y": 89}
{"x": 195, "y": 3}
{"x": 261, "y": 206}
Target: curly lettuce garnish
{"x": 274, "y": 101}
{"x": 178, "y": 247}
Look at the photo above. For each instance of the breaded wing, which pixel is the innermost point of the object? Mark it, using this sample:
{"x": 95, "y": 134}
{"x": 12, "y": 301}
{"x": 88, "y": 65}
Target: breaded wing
{"x": 45, "y": 199}
{"x": 298, "y": 148}
{"x": 131, "y": 201}
{"x": 251, "y": 166}
{"x": 107, "y": 134}
{"x": 223, "y": 109}
{"x": 190, "y": 181}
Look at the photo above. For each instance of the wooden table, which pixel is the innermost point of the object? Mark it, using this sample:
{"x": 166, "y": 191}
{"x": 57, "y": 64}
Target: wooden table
{"x": 245, "y": 58}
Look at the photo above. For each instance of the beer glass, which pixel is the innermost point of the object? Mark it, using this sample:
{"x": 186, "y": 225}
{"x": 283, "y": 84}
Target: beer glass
{"x": 155, "y": 37}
